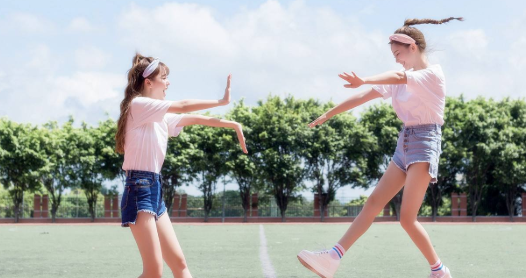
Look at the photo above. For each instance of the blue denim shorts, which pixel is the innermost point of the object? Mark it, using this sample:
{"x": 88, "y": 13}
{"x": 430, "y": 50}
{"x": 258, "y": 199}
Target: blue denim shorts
{"x": 143, "y": 192}
{"x": 420, "y": 143}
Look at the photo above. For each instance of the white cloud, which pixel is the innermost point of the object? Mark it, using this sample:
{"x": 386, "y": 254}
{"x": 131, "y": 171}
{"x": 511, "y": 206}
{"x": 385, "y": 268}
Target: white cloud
{"x": 26, "y": 23}
{"x": 80, "y": 24}
{"x": 273, "y": 48}
{"x": 87, "y": 87}
{"x": 91, "y": 57}
{"x": 470, "y": 42}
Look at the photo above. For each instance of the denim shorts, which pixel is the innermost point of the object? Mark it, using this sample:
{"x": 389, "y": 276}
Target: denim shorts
{"x": 143, "y": 192}
{"x": 420, "y": 143}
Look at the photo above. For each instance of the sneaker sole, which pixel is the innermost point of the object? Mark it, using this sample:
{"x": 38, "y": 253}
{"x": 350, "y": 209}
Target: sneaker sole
{"x": 305, "y": 264}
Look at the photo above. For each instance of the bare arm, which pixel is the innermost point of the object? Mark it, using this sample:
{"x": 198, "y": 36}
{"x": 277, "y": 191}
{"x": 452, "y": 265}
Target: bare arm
{"x": 350, "y": 103}
{"x": 191, "y": 105}
{"x": 214, "y": 122}
{"x": 390, "y": 77}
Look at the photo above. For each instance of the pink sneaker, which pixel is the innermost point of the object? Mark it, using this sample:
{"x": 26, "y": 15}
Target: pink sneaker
{"x": 320, "y": 263}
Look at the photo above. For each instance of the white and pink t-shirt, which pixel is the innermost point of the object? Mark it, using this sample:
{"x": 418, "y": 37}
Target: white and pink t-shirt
{"x": 422, "y": 100}
{"x": 147, "y": 131}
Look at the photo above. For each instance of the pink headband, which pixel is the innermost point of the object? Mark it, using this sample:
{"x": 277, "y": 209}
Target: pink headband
{"x": 402, "y": 38}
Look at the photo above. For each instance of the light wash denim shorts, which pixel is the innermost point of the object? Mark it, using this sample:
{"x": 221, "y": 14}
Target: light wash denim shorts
{"x": 143, "y": 192}
{"x": 420, "y": 143}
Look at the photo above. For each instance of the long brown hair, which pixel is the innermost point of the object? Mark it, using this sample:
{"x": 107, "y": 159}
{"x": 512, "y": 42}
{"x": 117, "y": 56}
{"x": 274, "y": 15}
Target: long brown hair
{"x": 133, "y": 90}
{"x": 416, "y": 34}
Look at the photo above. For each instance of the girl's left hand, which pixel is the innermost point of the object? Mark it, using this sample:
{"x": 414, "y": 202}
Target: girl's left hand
{"x": 354, "y": 80}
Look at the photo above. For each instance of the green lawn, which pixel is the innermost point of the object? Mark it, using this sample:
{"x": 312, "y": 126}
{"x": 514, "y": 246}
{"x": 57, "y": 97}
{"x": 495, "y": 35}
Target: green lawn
{"x": 482, "y": 250}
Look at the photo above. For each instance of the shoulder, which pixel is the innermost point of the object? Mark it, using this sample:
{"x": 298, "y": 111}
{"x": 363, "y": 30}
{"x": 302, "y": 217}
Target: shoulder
{"x": 436, "y": 69}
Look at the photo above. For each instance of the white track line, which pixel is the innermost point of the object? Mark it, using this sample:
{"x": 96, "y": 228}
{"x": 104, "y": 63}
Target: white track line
{"x": 266, "y": 264}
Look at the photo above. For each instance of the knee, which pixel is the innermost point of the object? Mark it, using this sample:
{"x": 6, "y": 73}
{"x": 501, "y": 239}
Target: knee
{"x": 179, "y": 264}
{"x": 375, "y": 204}
{"x": 408, "y": 223}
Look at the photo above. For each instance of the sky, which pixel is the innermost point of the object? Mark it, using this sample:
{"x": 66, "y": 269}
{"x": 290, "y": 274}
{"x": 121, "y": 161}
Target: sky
{"x": 62, "y": 58}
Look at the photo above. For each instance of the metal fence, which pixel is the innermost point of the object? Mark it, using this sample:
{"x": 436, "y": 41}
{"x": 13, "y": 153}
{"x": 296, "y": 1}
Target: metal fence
{"x": 77, "y": 207}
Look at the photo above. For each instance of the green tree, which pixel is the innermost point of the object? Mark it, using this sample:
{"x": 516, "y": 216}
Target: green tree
{"x": 178, "y": 167}
{"x": 478, "y": 135}
{"x": 281, "y": 131}
{"x": 452, "y": 157}
{"x": 61, "y": 152}
{"x": 382, "y": 121}
{"x": 510, "y": 152}
{"x": 244, "y": 168}
{"x": 210, "y": 163}
{"x": 336, "y": 153}
{"x": 21, "y": 158}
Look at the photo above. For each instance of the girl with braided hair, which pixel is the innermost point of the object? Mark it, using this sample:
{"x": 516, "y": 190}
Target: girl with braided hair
{"x": 418, "y": 96}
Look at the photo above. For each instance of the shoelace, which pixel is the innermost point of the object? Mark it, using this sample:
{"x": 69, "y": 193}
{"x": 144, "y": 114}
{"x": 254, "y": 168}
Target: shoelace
{"x": 319, "y": 253}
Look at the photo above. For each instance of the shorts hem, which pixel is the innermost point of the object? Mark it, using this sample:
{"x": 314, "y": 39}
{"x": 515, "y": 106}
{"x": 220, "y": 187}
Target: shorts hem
{"x": 127, "y": 223}
{"x": 433, "y": 176}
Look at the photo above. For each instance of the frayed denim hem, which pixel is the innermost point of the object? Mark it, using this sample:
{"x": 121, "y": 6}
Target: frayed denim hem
{"x": 127, "y": 224}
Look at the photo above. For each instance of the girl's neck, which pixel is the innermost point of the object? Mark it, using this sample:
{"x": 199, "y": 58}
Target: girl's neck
{"x": 421, "y": 63}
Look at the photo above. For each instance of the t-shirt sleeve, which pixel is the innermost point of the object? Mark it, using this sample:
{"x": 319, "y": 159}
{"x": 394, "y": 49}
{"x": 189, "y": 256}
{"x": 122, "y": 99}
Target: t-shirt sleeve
{"x": 172, "y": 120}
{"x": 148, "y": 110}
{"x": 425, "y": 81}
{"x": 385, "y": 90}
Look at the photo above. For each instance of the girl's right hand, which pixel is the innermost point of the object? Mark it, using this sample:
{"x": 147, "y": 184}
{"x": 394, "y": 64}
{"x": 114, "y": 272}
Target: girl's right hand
{"x": 241, "y": 137}
{"x": 226, "y": 97}
{"x": 319, "y": 121}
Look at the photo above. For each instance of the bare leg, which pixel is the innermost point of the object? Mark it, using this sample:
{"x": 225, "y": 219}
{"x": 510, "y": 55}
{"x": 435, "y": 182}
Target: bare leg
{"x": 145, "y": 234}
{"x": 172, "y": 252}
{"x": 416, "y": 185}
{"x": 390, "y": 183}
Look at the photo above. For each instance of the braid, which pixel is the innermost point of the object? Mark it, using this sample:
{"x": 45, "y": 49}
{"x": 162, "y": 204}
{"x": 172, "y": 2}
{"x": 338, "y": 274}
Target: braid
{"x": 414, "y": 21}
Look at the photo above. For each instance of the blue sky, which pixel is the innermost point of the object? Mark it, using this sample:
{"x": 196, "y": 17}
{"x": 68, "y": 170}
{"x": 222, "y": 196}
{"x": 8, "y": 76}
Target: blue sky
{"x": 62, "y": 58}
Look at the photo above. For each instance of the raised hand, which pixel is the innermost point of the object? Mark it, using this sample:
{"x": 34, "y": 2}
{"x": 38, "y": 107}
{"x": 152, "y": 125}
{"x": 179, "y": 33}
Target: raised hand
{"x": 353, "y": 79}
{"x": 226, "y": 97}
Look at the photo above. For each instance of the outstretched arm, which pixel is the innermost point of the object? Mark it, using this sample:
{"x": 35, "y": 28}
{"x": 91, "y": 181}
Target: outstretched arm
{"x": 350, "y": 103}
{"x": 191, "y": 105}
{"x": 214, "y": 122}
{"x": 390, "y": 77}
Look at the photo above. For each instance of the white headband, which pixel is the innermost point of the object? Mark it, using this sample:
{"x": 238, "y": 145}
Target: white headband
{"x": 151, "y": 68}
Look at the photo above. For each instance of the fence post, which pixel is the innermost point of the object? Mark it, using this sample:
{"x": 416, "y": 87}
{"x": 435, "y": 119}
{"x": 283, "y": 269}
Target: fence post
{"x": 37, "y": 212}
{"x": 107, "y": 212}
{"x": 387, "y": 210}
{"x": 523, "y": 204}
{"x": 45, "y": 210}
{"x": 463, "y": 204}
{"x": 175, "y": 205}
{"x": 116, "y": 207}
{"x": 454, "y": 204}
{"x": 183, "y": 205}
{"x": 254, "y": 205}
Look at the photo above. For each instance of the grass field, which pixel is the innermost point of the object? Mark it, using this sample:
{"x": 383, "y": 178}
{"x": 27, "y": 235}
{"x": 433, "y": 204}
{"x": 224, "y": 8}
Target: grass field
{"x": 469, "y": 250}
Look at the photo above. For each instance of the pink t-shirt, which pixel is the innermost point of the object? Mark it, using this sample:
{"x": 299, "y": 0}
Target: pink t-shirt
{"x": 422, "y": 100}
{"x": 147, "y": 131}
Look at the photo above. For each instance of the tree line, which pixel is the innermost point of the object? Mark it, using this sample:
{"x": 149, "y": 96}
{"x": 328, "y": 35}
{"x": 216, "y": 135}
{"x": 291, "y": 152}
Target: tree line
{"x": 483, "y": 143}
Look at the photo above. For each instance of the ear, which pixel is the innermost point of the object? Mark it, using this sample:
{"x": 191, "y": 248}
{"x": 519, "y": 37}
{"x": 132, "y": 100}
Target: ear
{"x": 147, "y": 82}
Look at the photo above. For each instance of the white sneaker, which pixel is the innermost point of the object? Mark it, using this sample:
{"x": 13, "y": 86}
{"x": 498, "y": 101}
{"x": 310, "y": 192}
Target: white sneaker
{"x": 320, "y": 263}
{"x": 445, "y": 275}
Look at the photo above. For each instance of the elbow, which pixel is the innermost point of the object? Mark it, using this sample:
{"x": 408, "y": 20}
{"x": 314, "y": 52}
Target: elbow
{"x": 400, "y": 77}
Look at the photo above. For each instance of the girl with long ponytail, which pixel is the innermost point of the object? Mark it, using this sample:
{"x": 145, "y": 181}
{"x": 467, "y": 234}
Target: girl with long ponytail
{"x": 146, "y": 122}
